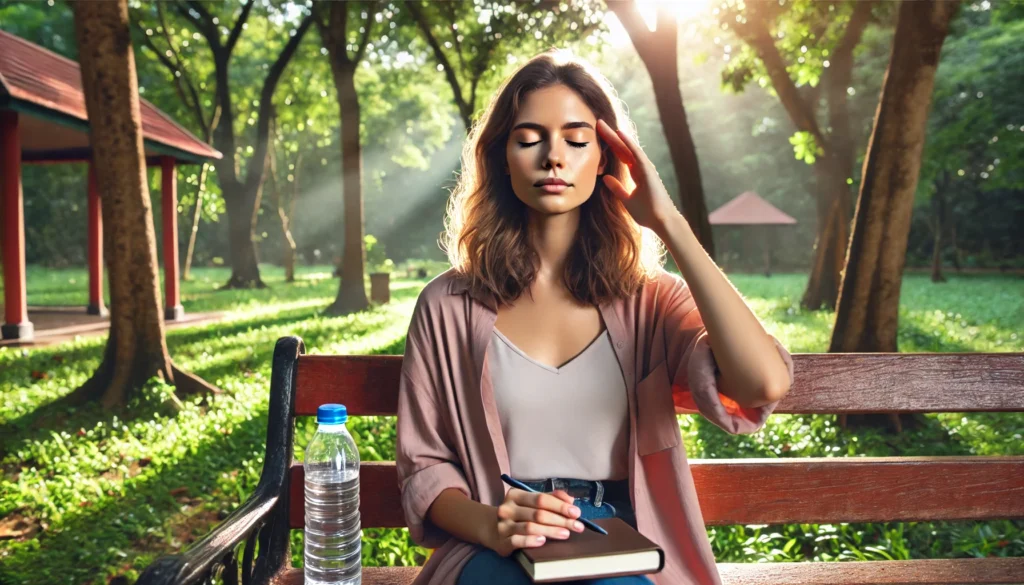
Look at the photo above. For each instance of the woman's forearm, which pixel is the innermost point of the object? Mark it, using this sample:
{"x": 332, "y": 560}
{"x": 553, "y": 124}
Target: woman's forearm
{"x": 463, "y": 517}
{"x": 753, "y": 372}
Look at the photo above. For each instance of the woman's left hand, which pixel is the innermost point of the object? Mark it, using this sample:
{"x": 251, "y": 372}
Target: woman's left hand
{"x": 648, "y": 202}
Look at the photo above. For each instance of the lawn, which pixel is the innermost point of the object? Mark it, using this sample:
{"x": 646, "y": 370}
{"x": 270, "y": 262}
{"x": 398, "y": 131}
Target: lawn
{"x": 98, "y": 494}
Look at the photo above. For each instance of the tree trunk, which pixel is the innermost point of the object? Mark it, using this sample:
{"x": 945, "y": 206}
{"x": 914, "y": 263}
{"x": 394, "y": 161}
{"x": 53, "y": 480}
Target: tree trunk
{"x": 286, "y": 225}
{"x": 665, "y": 77}
{"x": 868, "y": 307}
{"x": 136, "y": 349}
{"x": 351, "y": 289}
{"x": 288, "y": 255}
{"x": 833, "y": 226}
{"x": 186, "y": 274}
{"x": 939, "y": 207}
{"x": 658, "y": 52}
{"x": 242, "y": 208}
{"x": 952, "y": 242}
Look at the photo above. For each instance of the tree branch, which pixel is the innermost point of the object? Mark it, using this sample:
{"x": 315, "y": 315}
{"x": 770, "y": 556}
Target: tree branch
{"x": 416, "y": 9}
{"x": 370, "y": 21}
{"x": 758, "y": 37}
{"x": 256, "y": 168}
{"x": 236, "y": 31}
{"x": 635, "y": 26}
{"x": 204, "y": 23}
{"x": 859, "y": 21}
{"x": 184, "y": 78}
{"x": 449, "y": 9}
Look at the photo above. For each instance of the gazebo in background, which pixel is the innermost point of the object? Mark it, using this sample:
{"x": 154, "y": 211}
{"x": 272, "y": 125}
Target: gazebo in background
{"x": 747, "y": 211}
{"x": 43, "y": 121}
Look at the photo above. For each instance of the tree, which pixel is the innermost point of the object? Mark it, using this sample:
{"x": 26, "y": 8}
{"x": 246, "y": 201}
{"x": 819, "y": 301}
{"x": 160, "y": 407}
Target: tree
{"x": 242, "y": 192}
{"x": 658, "y": 49}
{"x": 333, "y": 24}
{"x": 974, "y": 142}
{"x": 812, "y": 40}
{"x": 136, "y": 349}
{"x": 868, "y": 306}
{"x": 466, "y": 38}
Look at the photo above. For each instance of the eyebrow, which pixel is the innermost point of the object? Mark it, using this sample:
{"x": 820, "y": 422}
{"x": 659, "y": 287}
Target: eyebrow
{"x": 566, "y": 126}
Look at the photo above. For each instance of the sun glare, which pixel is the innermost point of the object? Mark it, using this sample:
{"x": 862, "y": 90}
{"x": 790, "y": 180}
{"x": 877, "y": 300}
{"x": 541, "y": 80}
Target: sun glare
{"x": 683, "y": 10}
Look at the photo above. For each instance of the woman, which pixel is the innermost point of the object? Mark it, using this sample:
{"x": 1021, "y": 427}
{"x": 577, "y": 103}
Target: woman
{"x": 558, "y": 350}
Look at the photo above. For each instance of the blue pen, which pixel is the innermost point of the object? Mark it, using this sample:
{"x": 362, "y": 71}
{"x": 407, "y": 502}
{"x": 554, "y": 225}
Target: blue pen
{"x": 518, "y": 484}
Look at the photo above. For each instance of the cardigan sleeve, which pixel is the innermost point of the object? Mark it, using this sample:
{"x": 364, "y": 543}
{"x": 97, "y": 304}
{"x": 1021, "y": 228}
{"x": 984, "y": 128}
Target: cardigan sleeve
{"x": 425, "y": 457}
{"x": 694, "y": 372}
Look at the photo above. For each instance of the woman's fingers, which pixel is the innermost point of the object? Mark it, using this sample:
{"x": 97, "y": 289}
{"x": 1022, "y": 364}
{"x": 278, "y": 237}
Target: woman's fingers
{"x": 526, "y": 541}
{"x": 564, "y": 496}
{"x": 616, "y": 187}
{"x": 546, "y": 518}
{"x": 537, "y": 529}
{"x": 638, "y": 153}
{"x": 614, "y": 139}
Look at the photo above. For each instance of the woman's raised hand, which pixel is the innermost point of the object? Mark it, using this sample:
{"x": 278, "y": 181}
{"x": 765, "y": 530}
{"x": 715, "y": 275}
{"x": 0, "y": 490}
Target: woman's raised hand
{"x": 648, "y": 202}
{"x": 526, "y": 520}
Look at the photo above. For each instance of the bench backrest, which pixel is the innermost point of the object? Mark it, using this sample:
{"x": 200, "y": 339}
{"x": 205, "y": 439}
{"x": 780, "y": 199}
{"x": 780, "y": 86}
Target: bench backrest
{"x": 766, "y": 491}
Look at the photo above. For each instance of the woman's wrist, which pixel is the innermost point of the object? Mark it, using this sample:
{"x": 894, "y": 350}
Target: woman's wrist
{"x": 667, "y": 222}
{"x": 487, "y": 535}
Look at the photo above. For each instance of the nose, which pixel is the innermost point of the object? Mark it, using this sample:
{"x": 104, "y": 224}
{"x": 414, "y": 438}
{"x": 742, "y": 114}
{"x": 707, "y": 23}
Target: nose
{"x": 553, "y": 158}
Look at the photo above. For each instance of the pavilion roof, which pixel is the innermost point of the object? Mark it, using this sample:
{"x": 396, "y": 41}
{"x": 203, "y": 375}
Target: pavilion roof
{"x": 749, "y": 209}
{"x": 47, "y": 89}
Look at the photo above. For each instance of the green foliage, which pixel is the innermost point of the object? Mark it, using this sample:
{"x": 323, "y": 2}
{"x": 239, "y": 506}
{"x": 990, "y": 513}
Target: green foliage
{"x": 805, "y": 148}
{"x": 110, "y": 492}
{"x": 376, "y": 256}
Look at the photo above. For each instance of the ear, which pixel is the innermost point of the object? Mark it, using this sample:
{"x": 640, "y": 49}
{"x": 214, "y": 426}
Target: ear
{"x": 604, "y": 161}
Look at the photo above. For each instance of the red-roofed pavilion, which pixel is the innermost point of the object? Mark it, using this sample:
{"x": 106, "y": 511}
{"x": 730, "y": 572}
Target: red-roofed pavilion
{"x": 43, "y": 120}
{"x": 749, "y": 209}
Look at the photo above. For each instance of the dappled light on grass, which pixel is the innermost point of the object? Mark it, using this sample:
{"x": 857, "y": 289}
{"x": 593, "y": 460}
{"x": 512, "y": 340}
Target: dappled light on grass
{"x": 110, "y": 491}
{"x": 106, "y": 493}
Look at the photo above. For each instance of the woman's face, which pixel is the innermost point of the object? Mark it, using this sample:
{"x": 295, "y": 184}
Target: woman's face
{"x": 554, "y": 137}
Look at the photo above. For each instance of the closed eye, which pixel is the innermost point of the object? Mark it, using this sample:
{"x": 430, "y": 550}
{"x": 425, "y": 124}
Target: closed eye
{"x": 571, "y": 143}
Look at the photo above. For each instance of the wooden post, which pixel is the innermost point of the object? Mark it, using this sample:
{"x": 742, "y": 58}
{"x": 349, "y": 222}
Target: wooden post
{"x": 169, "y": 200}
{"x": 96, "y": 305}
{"x": 16, "y": 324}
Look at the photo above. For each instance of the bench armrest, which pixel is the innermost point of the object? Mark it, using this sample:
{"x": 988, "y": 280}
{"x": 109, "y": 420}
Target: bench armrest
{"x": 216, "y": 549}
{"x": 263, "y": 516}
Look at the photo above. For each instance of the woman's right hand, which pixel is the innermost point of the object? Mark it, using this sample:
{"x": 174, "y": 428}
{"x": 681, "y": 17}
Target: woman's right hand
{"x": 527, "y": 519}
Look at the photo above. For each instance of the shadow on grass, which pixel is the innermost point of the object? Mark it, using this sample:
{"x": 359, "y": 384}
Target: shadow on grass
{"x": 113, "y": 530}
{"x": 241, "y": 348}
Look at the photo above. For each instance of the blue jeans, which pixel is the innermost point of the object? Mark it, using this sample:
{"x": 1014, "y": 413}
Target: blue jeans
{"x": 487, "y": 567}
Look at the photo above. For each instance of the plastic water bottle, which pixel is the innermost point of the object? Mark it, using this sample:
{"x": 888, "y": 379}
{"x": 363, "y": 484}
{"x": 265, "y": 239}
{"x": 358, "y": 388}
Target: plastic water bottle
{"x": 333, "y": 553}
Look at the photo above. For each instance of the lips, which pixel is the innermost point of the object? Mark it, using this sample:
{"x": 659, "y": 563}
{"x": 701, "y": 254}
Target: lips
{"x": 552, "y": 185}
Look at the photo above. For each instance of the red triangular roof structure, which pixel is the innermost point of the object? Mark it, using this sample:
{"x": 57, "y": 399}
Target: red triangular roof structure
{"x": 47, "y": 89}
{"x": 749, "y": 209}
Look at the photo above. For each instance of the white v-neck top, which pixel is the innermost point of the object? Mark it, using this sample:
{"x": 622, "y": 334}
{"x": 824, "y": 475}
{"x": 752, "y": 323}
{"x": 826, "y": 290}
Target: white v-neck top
{"x": 571, "y": 421}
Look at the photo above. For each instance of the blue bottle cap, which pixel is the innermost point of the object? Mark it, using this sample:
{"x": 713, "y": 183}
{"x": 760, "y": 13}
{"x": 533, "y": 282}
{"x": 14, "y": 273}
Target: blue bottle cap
{"x": 331, "y": 414}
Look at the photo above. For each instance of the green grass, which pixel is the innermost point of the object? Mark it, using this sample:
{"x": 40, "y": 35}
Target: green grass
{"x": 108, "y": 492}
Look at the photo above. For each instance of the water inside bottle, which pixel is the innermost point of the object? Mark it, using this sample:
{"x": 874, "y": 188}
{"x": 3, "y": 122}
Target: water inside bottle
{"x": 333, "y": 551}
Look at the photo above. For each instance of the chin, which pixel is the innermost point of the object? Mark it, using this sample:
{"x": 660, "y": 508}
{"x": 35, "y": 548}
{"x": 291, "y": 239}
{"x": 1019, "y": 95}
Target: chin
{"x": 553, "y": 204}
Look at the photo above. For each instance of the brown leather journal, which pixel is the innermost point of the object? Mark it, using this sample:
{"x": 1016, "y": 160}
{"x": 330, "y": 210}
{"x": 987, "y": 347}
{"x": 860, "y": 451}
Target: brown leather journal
{"x": 588, "y": 554}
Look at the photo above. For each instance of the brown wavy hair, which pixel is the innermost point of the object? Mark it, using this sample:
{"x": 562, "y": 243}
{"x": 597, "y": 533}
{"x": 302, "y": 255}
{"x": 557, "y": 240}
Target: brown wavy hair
{"x": 485, "y": 233}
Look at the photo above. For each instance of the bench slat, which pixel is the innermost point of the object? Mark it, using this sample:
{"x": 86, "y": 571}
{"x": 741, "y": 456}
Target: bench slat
{"x": 917, "y": 571}
{"x": 371, "y": 576}
{"x": 923, "y": 571}
{"x": 787, "y": 491}
{"x": 825, "y": 383}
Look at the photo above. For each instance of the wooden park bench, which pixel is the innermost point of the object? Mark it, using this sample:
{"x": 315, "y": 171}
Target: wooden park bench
{"x": 739, "y": 491}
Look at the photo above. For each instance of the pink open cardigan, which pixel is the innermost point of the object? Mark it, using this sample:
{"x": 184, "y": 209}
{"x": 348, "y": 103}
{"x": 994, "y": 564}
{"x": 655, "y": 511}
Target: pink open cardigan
{"x": 449, "y": 434}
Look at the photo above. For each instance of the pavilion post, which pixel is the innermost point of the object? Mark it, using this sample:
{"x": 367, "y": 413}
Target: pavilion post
{"x": 16, "y": 324}
{"x": 95, "y": 249}
{"x": 169, "y": 200}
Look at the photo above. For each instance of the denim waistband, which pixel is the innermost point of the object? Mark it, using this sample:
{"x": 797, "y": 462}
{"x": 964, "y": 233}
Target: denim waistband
{"x": 595, "y": 490}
